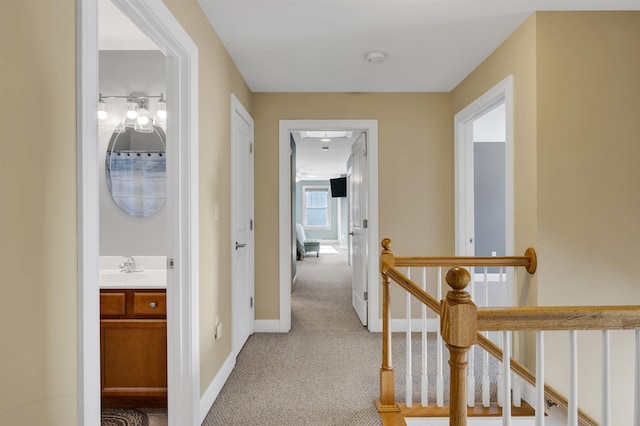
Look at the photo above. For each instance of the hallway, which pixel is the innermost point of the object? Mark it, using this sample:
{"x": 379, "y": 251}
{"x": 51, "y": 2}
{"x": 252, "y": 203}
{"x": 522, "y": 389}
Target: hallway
{"x": 324, "y": 372}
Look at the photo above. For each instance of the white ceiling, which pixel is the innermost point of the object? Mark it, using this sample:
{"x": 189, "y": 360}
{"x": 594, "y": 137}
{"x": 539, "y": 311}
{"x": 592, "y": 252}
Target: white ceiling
{"x": 320, "y": 45}
{"x": 312, "y": 163}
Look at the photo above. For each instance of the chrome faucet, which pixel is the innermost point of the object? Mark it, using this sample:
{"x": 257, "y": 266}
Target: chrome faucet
{"x": 129, "y": 265}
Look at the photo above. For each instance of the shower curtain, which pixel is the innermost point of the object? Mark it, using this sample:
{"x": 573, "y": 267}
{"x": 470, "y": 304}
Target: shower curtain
{"x": 137, "y": 181}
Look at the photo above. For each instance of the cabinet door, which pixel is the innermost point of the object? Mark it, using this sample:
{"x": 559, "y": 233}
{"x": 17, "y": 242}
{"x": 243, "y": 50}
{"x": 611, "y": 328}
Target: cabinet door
{"x": 134, "y": 358}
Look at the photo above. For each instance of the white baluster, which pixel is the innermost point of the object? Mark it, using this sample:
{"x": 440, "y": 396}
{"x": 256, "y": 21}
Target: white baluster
{"x": 606, "y": 380}
{"x": 517, "y": 390}
{"x": 506, "y": 375}
{"x": 540, "y": 378}
{"x": 439, "y": 349}
{"x": 572, "y": 415}
{"x": 424, "y": 391}
{"x": 486, "y": 382}
{"x": 636, "y": 404}
{"x": 408, "y": 375}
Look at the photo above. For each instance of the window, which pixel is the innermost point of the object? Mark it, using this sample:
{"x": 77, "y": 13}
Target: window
{"x": 316, "y": 207}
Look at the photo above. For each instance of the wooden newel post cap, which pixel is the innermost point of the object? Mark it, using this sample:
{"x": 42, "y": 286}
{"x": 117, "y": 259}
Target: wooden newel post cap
{"x": 386, "y": 244}
{"x": 458, "y": 278}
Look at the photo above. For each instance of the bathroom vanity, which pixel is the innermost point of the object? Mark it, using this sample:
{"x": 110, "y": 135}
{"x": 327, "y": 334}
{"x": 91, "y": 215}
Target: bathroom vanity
{"x": 133, "y": 348}
{"x": 133, "y": 340}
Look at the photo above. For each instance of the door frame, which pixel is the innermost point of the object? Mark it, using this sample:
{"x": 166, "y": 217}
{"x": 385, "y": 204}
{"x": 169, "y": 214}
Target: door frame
{"x": 239, "y": 112}
{"x": 183, "y": 357}
{"x": 464, "y": 201}
{"x": 284, "y": 206}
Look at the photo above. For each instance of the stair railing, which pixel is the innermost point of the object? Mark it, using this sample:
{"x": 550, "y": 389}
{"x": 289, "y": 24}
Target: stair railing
{"x": 462, "y": 321}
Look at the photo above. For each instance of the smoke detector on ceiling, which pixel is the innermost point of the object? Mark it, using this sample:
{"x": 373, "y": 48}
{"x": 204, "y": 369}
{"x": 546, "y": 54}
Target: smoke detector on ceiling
{"x": 375, "y": 57}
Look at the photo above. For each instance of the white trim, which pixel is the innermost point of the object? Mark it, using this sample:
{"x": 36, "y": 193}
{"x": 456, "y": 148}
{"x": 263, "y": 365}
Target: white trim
{"x": 266, "y": 326}
{"x": 183, "y": 363}
{"x": 284, "y": 206}
{"x": 88, "y": 225}
{"x": 502, "y": 91}
{"x": 212, "y": 392}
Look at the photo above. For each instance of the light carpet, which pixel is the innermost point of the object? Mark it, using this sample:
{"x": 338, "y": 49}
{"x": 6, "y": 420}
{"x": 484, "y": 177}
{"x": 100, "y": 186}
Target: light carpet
{"x": 326, "y": 370}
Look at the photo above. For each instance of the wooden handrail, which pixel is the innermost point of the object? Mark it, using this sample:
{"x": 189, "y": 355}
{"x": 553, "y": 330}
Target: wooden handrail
{"x": 529, "y": 260}
{"x": 482, "y": 341}
{"x": 522, "y": 318}
{"x": 559, "y": 318}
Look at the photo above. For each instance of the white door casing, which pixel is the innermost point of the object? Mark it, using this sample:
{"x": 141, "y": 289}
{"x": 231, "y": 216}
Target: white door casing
{"x": 283, "y": 324}
{"x": 464, "y": 173}
{"x": 183, "y": 363}
{"x": 242, "y": 190}
{"x": 464, "y": 166}
{"x": 358, "y": 214}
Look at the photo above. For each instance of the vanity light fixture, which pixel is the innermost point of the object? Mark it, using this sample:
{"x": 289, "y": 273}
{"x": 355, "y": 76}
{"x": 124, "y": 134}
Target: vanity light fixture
{"x": 137, "y": 114}
{"x": 130, "y": 112}
{"x": 161, "y": 108}
{"x": 102, "y": 108}
{"x": 143, "y": 121}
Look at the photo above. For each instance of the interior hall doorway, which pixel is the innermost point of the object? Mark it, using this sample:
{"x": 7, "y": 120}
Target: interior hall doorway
{"x": 328, "y": 202}
{"x": 179, "y": 67}
{"x": 484, "y": 181}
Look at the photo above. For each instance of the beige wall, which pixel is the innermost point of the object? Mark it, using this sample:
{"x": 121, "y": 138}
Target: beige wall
{"x": 415, "y": 171}
{"x": 218, "y": 78}
{"x": 516, "y": 57}
{"x": 38, "y": 325}
{"x": 576, "y": 182}
{"x": 588, "y": 183}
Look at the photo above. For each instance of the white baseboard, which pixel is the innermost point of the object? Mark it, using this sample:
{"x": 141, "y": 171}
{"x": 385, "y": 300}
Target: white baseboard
{"x": 266, "y": 326}
{"x": 212, "y": 392}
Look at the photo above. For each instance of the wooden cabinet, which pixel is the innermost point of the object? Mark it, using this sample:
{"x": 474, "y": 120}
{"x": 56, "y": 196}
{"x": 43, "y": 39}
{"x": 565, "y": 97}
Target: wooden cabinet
{"x": 133, "y": 348}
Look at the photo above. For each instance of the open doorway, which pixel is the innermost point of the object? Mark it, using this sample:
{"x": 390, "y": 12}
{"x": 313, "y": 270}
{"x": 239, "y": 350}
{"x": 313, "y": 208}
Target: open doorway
{"x": 484, "y": 182}
{"x": 157, "y": 23}
{"x": 323, "y": 195}
{"x": 366, "y": 131}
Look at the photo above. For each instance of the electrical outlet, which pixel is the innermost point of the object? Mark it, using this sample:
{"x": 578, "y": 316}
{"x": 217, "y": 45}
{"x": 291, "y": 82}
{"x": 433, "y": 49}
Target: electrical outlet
{"x": 219, "y": 331}
{"x": 217, "y": 328}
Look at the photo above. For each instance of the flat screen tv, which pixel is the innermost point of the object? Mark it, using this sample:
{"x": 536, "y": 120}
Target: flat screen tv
{"x": 338, "y": 187}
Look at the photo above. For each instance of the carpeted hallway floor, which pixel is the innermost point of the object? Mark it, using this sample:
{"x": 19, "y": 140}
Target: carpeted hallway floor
{"x": 324, "y": 372}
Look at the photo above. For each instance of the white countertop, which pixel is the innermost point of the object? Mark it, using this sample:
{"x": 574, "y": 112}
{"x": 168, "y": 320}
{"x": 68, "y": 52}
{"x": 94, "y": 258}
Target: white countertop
{"x": 152, "y": 276}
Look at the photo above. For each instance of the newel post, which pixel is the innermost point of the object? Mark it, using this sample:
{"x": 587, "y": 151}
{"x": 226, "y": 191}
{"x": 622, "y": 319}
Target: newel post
{"x": 387, "y": 400}
{"x": 458, "y": 328}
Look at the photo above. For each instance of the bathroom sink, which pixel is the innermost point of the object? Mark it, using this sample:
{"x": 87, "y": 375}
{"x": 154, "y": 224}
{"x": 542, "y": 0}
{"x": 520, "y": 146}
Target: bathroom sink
{"x": 147, "y": 278}
{"x": 122, "y": 277}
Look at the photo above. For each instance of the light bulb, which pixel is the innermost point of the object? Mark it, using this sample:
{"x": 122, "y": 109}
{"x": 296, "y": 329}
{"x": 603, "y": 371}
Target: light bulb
{"x": 143, "y": 120}
{"x": 162, "y": 114}
{"x": 102, "y": 109}
{"x": 132, "y": 114}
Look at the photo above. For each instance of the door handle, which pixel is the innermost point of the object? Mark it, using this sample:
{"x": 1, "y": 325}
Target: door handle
{"x": 351, "y": 233}
{"x": 239, "y": 245}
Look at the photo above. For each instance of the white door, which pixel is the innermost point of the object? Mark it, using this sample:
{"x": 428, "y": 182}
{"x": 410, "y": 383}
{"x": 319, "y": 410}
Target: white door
{"x": 242, "y": 225}
{"x": 358, "y": 226}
